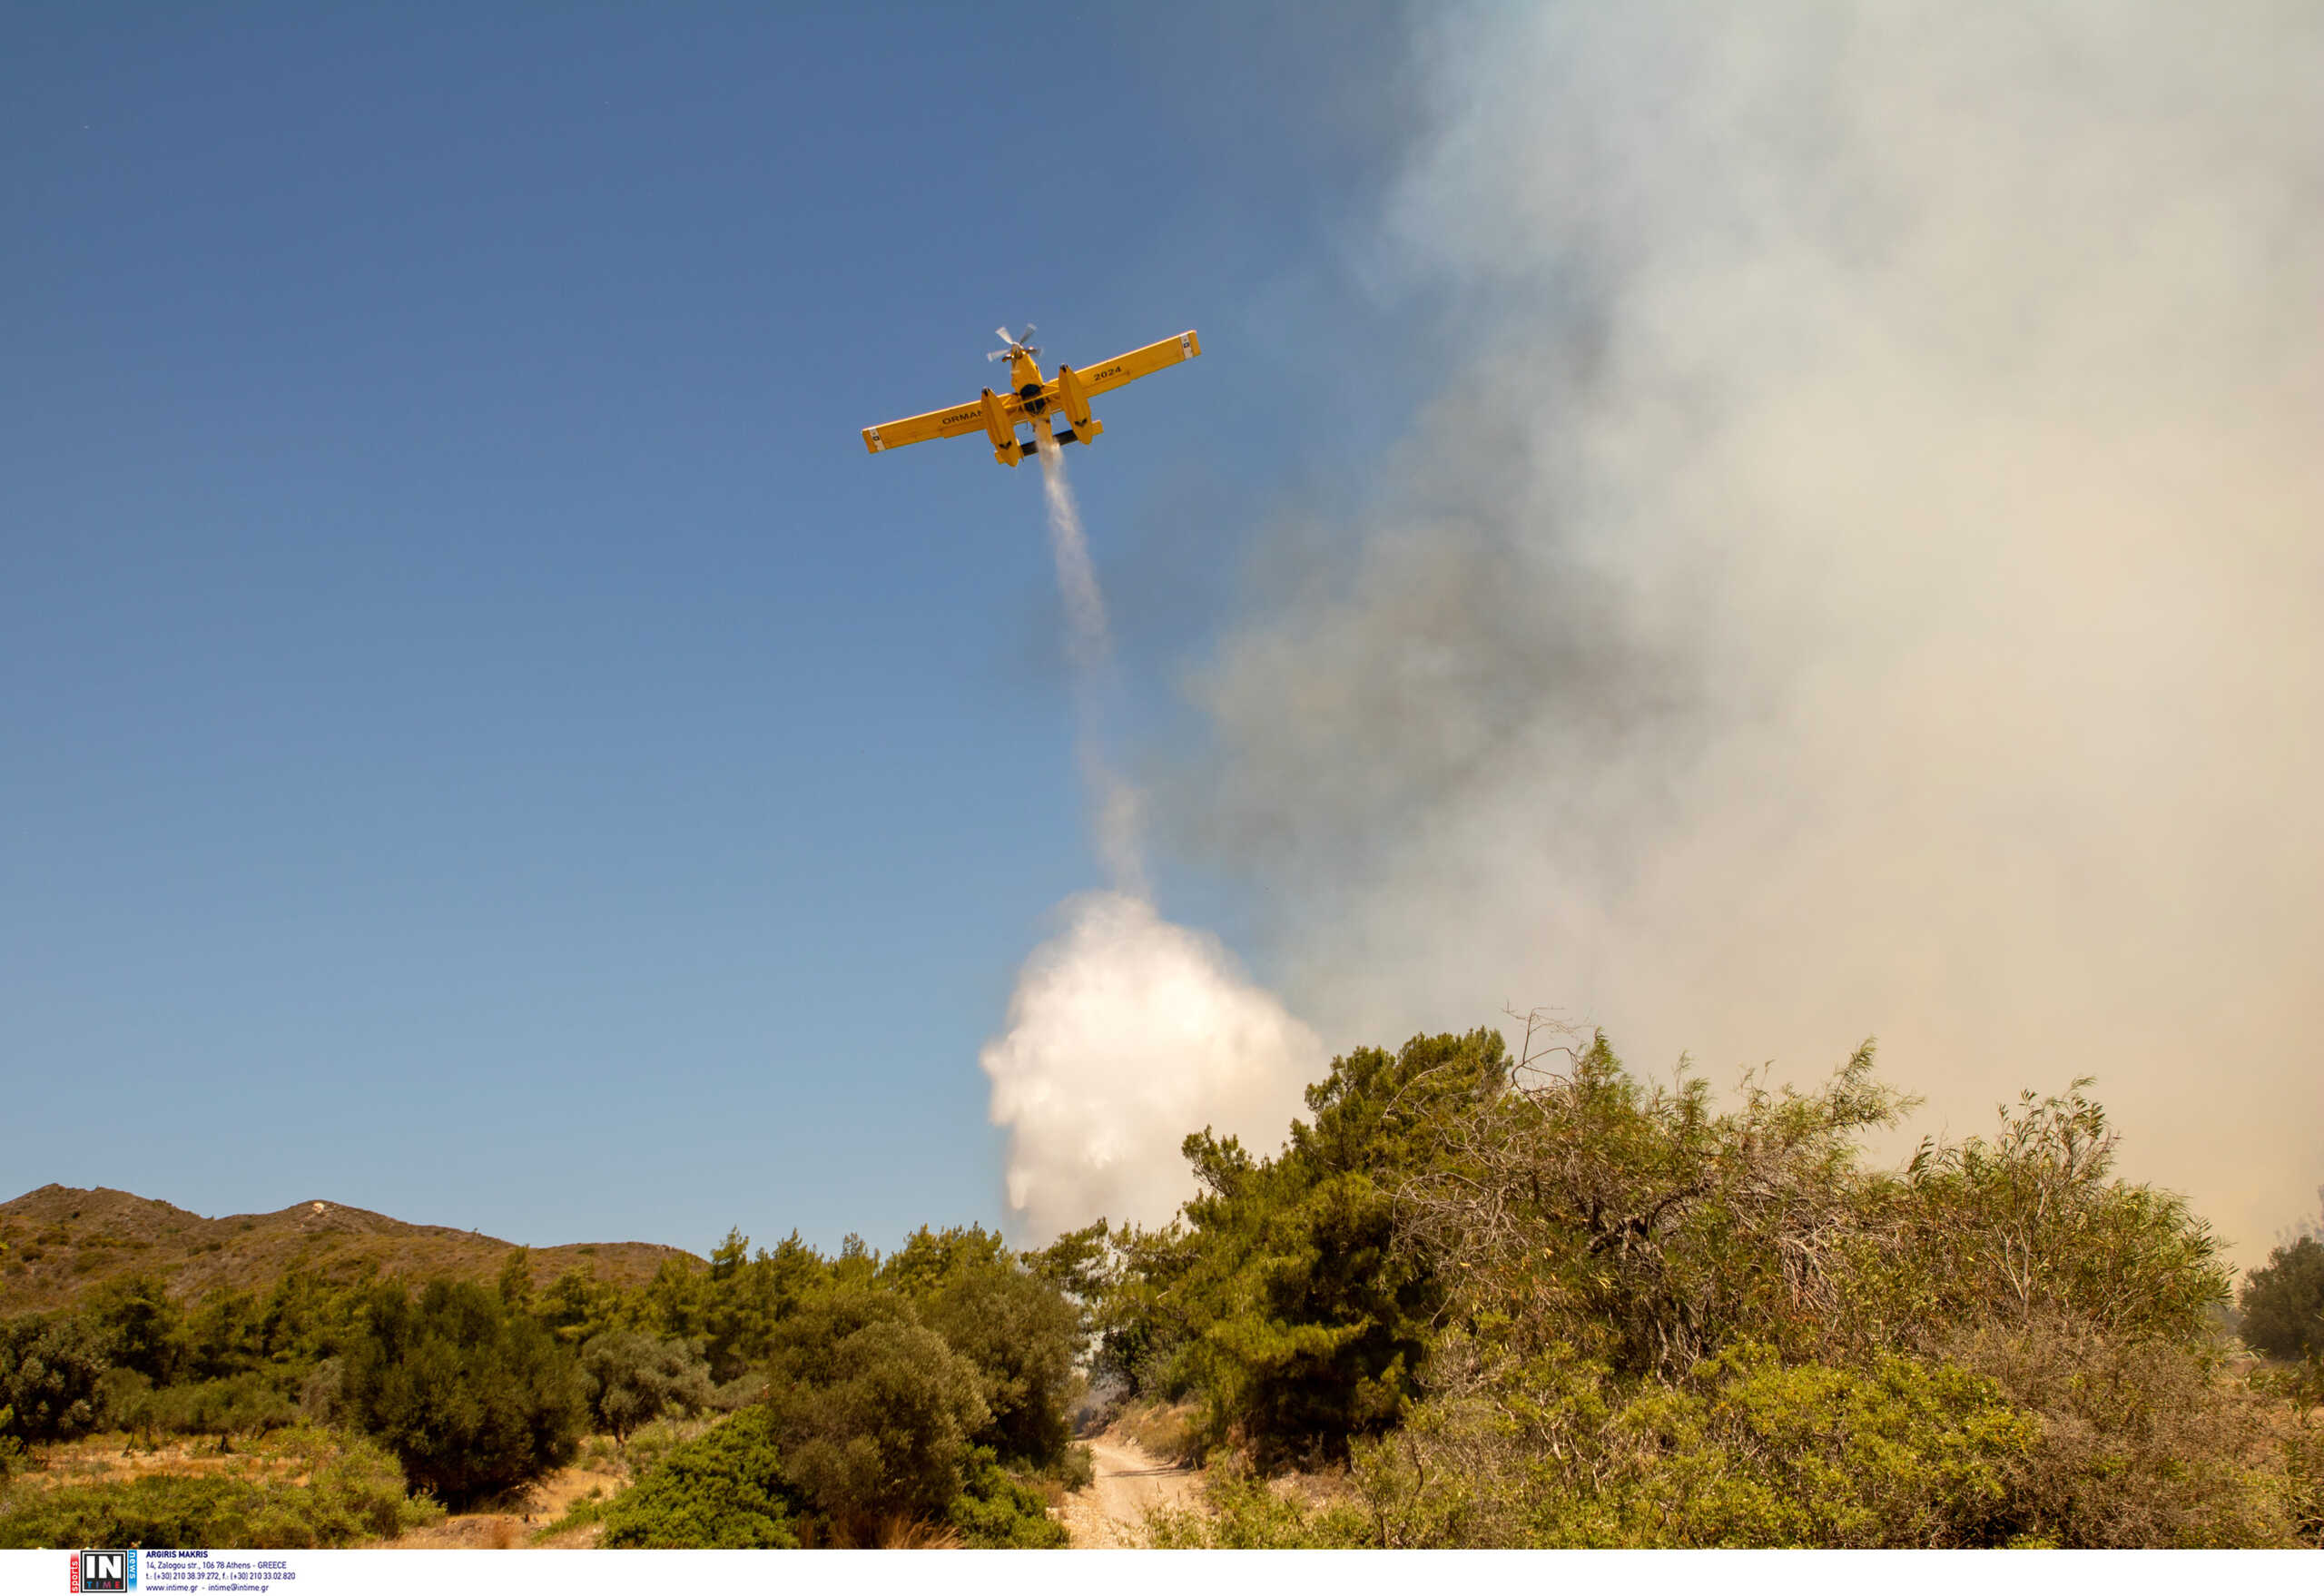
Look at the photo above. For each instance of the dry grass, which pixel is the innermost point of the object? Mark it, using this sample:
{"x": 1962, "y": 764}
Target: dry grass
{"x": 524, "y": 1516}
{"x": 1164, "y": 1430}
{"x": 899, "y": 1534}
{"x": 100, "y": 1458}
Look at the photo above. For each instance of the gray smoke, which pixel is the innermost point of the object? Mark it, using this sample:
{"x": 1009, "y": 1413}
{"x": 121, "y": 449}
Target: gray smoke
{"x": 1865, "y": 576}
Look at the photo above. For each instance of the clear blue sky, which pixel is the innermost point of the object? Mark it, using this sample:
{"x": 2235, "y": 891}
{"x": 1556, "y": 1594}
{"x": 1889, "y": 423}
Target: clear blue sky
{"x": 479, "y": 737}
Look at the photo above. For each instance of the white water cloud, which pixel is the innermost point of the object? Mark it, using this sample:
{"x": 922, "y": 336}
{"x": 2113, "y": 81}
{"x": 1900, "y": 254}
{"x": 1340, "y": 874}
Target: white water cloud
{"x": 1126, "y": 1032}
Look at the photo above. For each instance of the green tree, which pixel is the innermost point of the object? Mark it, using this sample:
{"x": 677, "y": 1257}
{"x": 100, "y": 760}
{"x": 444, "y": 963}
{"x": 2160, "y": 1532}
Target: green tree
{"x": 50, "y": 1367}
{"x": 145, "y": 1325}
{"x": 472, "y": 1399}
{"x": 748, "y": 1296}
{"x": 241, "y": 1404}
{"x": 305, "y": 1318}
{"x": 871, "y": 1410}
{"x": 577, "y": 1307}
{"x": 1077, "y": 1262}
{"x": 633, "y": 1377}
{"x": 1287, "y": 1301}
{"x": 1015, "y": 1325}
{"x": 224, "y": 1333}
{"x": 2282, "y": 1301}
{"x": 515, "y": 1281}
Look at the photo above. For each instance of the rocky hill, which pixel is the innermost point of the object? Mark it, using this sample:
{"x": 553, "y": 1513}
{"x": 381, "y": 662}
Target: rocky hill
{"x": 61, "y": 1241}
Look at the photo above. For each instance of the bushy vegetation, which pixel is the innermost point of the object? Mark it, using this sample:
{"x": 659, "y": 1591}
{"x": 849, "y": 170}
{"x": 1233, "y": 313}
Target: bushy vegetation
{"x": 736, "y": 1487}
{"x": 343, "y": 1492}
{"x": 1016, "y": 1330}
{"x": 1594, "y": 1311}
{"x": 918, "y": 1396}
{"x": 50, "y": 1367}
{"x": 727, "y": 1489}
{"x": 248, "y": 1404}
{"x": 998, "y": 1510}
{"x": 633, "y": 1377}
{"x": 1476, "y": 1298}
{"x": 2282, "y": 1303}
{"x": 1285, "y": 1302}
{"x": 871, "y": 1410}
{"x": 923, "y": 1394}
{"x": 471, "y": 1398}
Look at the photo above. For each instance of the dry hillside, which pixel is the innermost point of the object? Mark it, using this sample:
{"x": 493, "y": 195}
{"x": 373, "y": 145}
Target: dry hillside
{"x": 60, "y": 1241}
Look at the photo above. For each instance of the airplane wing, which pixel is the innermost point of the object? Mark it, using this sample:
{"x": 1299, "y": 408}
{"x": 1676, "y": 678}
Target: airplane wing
{"x": 1130, "y": 368}
{"x": 957, "y": 422}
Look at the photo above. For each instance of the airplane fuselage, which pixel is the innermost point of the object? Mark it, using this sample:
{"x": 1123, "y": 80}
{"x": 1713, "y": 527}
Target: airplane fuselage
{"x": 1026, "y": 377}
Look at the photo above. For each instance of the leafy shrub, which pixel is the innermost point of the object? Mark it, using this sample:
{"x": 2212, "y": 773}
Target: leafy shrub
{"x": 589, "y": 1510}
{"x": 1076, "y": 1470}
{"x": 643, "y": 1452}
{"x": 2303, "y": 1464}
{"x": 1738, "y": 1333}
{"x": 2282, "y": 1302}
{"x": 871, "y": 1410}
{"x": 729, "y": 1488}
{"x": 354, "y": 1492}
{"x": 1244, "y": 1512}
{"x": 996, "y": 1510}
{"x": 725, "y": 1488}
{"x": 2143, "y": 1443}
{"x": 472, "y": 1400}
{"x": 49, "y": 1371}
{"x": 245, "y": 1405}
{"x": 739, "y": 1392}
{"x": 144, "y": 1325}
{"x": 1745, "y": 1451}
{"x": 2030, "y": 1226}
{"x": 633, "y": 1377}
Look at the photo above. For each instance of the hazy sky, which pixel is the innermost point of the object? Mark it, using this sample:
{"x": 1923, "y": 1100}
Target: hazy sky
{"x": 1755, "y": 534}
{"x": 1864, "y": 579}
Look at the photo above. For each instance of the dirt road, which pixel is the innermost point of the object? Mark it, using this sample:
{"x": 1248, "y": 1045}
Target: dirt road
{"x": 1112, "y": 1510}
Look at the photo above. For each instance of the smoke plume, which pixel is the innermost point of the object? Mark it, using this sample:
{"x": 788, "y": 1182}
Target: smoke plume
{"x": 1126, "y": 1031}
{"x": 1865, "y": 578}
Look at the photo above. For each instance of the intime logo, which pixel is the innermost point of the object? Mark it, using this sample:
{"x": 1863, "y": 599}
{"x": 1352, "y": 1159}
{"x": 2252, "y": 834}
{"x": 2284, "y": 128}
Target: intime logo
{"x": 104, "y": 1570}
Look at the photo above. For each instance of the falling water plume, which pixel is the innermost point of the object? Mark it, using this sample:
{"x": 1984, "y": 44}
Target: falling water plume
{"x": 1126, "y": 1031}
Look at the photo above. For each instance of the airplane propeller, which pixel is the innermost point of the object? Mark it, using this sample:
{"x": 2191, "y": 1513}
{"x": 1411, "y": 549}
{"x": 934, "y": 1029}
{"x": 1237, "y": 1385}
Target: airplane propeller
{"x": 1014, "y": 343}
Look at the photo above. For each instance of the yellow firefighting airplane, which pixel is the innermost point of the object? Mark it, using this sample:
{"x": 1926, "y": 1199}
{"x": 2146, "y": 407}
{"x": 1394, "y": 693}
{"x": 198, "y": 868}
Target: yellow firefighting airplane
{"x": 1031, "y": 399}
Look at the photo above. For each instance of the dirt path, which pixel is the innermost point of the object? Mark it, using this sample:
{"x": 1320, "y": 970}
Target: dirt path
{"x": 1129, "y": 1480}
